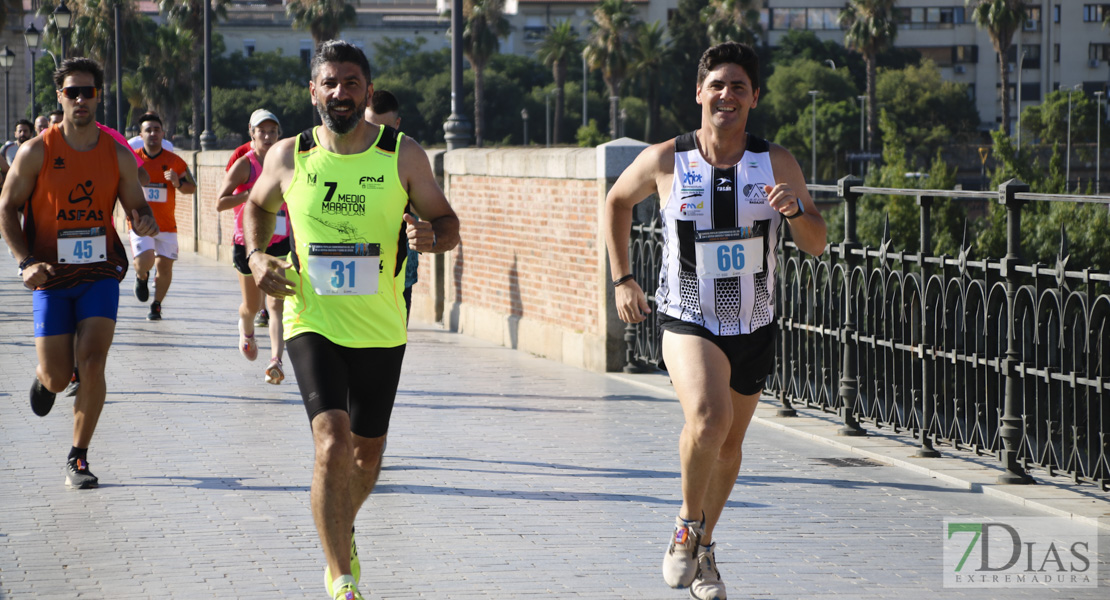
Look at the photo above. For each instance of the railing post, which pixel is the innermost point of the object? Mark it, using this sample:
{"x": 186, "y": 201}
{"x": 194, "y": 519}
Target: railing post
{"x": 1011, "y": 431}
{"x": 631, "y": 363}
{"x": 849, "y": 384}
{"x": 928, "y": 399}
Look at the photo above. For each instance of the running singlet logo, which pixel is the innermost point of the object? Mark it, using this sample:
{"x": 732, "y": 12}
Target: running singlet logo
{"x": 82, "y": 188}
{"x": 342, "y": 204}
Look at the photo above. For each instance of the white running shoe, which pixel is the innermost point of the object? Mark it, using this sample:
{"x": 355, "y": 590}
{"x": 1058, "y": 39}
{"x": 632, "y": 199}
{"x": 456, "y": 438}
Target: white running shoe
{"x": 680, "y": 564}
{"x": 707, "y": 585}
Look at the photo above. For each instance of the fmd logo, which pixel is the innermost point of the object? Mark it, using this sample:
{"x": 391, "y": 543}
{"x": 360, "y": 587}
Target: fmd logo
{"x": 372, "y": 183}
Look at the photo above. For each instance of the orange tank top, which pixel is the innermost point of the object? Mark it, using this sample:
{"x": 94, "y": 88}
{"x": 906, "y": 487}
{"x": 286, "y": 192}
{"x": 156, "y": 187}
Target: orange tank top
{"x": 68, "y": 219}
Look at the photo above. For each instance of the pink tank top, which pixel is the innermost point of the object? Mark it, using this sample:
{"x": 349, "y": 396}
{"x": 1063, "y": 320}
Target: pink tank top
{"x": 281, "y": 227}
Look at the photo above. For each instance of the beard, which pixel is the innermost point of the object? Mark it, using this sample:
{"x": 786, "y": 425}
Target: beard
{"x": 337, "y": 123}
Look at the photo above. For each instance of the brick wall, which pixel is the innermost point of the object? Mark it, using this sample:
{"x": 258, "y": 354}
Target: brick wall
{"x": 531, "y": 272}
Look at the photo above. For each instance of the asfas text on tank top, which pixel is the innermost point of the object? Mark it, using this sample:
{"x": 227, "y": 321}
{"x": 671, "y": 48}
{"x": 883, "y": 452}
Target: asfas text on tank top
{"x": 720, "y": 236}
{"x": 68, "y": 218}
{"x": 348, "y": 244}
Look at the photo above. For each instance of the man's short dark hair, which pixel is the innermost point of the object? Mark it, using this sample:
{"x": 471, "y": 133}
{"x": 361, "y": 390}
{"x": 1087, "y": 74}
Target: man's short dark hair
{"x": 149, "y": 116}
{"x": 70, "y": 66}
{"x": 29, "y": 124}
{"x": 337, "y": 51}
{"x": 56, "y": 113}
{"x": 730, "y": 52}
{"x": 383, "y": 102}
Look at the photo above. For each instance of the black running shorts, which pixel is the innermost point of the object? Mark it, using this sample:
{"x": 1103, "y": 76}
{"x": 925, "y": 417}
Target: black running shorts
{"x": 239, "y": 255}
{"x": 751, "y": 355}
{"x": 359, "y": 381}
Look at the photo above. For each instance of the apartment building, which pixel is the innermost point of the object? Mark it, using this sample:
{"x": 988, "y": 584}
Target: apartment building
{"x": 1063, "y": 42}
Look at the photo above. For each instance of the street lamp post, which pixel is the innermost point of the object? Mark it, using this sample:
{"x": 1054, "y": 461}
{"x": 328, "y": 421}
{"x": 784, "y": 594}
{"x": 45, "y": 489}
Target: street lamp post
{"x": 524, "y": 117}
{"x": 585, "y": 75}
{"x": 33, "y": 38}
{"x": 1021, "y": 63}
{"x": 207, "y": 137}
{"x": 7, "y": 59}
{"x": 63, "y": 20}
{"x": 457, "y": 128}
{"x": 813, "y": 138}
{"x": 1098, "y": 142}
{"x": 547, "y": 117}
{"x": 119, "y": 71}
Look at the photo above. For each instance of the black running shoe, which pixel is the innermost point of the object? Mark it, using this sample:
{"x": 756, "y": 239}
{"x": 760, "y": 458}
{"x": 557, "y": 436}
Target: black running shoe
{"x": 42, "y": 399}
{"x": 142, "y": 292}
{"x": 155, "y": 313}
{"x": 78, "y": 475}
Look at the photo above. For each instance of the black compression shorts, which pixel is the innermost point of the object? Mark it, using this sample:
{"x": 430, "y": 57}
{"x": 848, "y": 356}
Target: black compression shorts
{"x": 359, "y": 381}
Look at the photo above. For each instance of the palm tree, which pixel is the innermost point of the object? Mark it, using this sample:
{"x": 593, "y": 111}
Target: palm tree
{"x": 188, "y": 15}
{"x": 324, "y": 19}
{"x": 559, "y": 46}
{"x": 732, "y": 20}
{"x": 650, "y": 55}
{"x": 484, "y": 25}
{"x": 870, "y": 29}
{"x": 164, "y": 76}
{"x": 1001, "y": 19}
{"x": 607, "y": 49}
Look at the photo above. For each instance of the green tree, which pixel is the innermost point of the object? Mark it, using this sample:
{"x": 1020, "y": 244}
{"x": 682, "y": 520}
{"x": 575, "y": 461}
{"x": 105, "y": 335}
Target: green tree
{"x": 928, "y": 111}
{"x": 608, "y": 49}
{"x": 1000, "y": 19}
{"x": 870, "y": 29}
{"x": 188, "y": 15}
{"x": 689, "y": 39}
{"x": 732, "y": 21}
{"x": 785, "y": 97}
{"x": 1048, "y": 121}
{"x": 323, "y": 19}
{"x": 560, "y": 46}
{"x": 485, "y": 25}
{"x": 650, "y": 47}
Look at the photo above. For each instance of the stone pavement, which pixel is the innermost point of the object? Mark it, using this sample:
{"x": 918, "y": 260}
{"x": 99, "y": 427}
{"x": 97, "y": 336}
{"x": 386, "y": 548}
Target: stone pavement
{"x": 506, "y": 476}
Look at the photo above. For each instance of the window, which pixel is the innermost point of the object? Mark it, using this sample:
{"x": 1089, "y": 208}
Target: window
{"x": 1032, "y": 18}
{"x": 1056, "y": 14}
{"x": 1056, "y": 53}
{"x": 1032, "y": 55}
{"x": 971, "y": 91}
{"x": 1094, "y": 13}
{"x": 534, "y": 29}
{"x": 1030, "y": 92}
{"x": 1098, "y": 52}
{"x": 248, "y": 47}
{"x": 306, "y": 53}
{"x": 965, "y": 54}
{"x": 822, "y": 18}
{"x": 929, "y": 17}
{"x": 788, "y": 18}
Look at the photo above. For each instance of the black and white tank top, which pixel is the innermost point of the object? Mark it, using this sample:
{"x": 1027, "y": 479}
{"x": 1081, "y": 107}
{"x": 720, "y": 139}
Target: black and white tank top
{"x": 719, "y": 241}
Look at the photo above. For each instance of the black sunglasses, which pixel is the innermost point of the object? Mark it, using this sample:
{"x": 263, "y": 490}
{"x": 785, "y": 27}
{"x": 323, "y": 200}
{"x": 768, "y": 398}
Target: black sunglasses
{"x": 73, "y": 91}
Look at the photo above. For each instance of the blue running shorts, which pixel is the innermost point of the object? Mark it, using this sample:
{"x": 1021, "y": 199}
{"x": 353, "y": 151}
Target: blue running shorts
{"x": 58, "y": 311}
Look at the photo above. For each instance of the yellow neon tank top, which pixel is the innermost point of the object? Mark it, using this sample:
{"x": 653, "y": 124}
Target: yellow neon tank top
{"x": 348, "y": 244}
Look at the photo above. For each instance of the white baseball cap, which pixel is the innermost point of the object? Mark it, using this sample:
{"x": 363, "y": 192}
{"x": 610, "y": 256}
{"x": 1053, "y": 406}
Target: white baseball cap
{"x": 260, "y": 115}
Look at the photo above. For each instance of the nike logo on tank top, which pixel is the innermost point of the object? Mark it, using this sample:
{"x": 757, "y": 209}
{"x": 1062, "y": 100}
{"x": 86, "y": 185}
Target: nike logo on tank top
{"x": 720, "y": 236}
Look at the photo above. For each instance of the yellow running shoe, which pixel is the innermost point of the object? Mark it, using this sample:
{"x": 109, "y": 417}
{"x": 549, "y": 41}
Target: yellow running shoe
{"x": 356, "y": 567}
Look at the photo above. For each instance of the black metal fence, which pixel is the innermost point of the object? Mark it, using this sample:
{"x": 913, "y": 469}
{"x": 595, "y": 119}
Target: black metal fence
{"x": 993, "y": 356}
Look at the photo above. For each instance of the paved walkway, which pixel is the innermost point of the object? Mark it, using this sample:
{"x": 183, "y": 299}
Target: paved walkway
{"x": 507, "y": 476}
